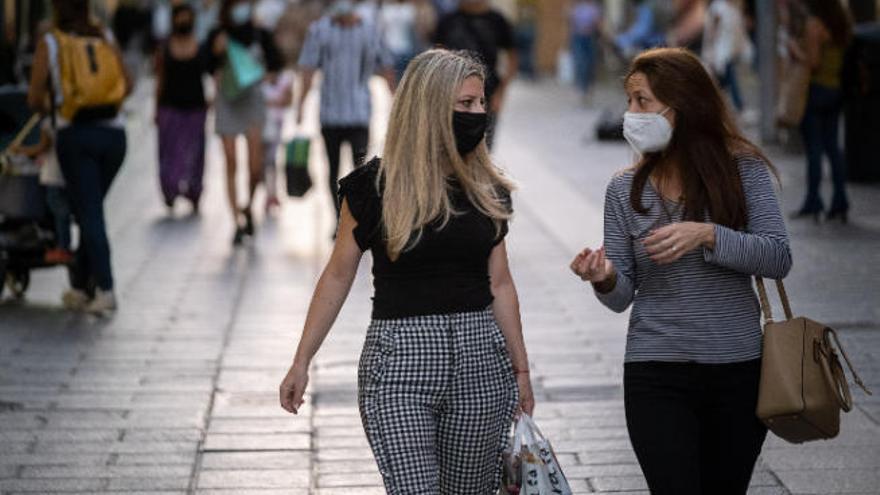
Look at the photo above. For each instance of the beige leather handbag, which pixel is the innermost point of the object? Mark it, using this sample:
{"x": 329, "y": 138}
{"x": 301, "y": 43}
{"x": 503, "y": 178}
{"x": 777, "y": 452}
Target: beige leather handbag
{"x": 803, "y": 386}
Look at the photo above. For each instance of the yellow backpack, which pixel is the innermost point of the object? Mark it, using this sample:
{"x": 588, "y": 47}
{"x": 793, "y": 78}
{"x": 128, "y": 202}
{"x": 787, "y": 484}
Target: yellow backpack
{"x": 90, "y": 75}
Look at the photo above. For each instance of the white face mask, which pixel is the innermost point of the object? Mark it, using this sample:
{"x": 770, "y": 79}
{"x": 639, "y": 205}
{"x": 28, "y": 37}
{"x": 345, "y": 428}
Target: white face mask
{"x": 647, "y": 132}
{"x": 241, "y": 13}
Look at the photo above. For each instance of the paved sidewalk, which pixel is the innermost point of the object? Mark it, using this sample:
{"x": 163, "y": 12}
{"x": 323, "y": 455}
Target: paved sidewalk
{"x": 177, "y": 393}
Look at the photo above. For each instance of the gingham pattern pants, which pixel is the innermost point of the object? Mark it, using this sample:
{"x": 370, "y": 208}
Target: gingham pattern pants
{"x": 437, "y": 396}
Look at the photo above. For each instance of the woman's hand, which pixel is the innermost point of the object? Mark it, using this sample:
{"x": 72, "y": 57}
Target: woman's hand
{"x": 593, "y": 266}
{"x": 526, "y": 397}
{"x": 670, "y": 242}
{"x": 293, "y": 387}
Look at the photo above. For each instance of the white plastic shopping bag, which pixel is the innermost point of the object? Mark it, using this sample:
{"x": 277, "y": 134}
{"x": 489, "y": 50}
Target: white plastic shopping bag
{"x": 530, "y": 466}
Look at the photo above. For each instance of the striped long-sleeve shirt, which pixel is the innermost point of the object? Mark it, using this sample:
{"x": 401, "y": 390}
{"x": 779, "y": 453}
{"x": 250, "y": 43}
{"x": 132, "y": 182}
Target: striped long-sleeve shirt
{"x": 348, "y": 56}
{"x": 701, "y": 308}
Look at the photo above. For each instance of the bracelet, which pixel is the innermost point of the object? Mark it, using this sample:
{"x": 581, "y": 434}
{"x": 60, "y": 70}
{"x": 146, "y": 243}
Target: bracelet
{"x": 517, "y": 372}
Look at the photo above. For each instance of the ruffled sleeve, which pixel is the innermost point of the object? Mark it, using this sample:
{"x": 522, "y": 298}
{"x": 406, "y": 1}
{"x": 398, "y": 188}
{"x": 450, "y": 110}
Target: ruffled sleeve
{"x": 359, "y": 190}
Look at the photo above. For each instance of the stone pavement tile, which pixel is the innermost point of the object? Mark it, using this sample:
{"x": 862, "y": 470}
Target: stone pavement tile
{"x": 115, "y": 447}
{"x": 17, "y": 447}
{"x": 362, "y": 466}
{"x": 255, "y": 460}
{"x": 601, "y": 470}
{"x": 180, "y": 470}
{"x": 344, "y": 454}
{"x": 59, "y": 435}
{"x": 618, "y": 483}
{"x": 348, "y": 491}
{"x": 259, "y": 425}
{"x": 27, "y": 459}
{"x": 348, "y": 441}
{"x": 256, "y": 441}
{"x": 818, "y": 456}
{"x": 162, "y": 435}
{"x": 254, "y": 479}
{"x": 8, "y": 470}
{"x": 151, "y": 483}
{"x": 624, "y": 456}
{"x": 351, "y": 480}
{"x": 257, "y": 491}
{"x": 51, "y": 485}
{"x": 830, "y": 481}
{"x": 188, "y": 458}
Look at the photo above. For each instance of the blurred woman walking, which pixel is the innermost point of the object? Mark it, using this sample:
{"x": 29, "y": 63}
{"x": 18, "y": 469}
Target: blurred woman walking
{"x": 240, "y": 111}
{"x": 180, "y": 111}
{"x": 828, "y": 33}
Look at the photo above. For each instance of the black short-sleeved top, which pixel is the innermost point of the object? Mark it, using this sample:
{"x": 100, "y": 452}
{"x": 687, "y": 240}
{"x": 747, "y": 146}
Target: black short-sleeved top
{"x": 446, "y": 272}
{"x": 485, "y": 34}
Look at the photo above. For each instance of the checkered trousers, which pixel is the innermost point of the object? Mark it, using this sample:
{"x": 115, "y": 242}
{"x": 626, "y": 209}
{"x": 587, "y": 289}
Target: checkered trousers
{"x": 437, "y": 396}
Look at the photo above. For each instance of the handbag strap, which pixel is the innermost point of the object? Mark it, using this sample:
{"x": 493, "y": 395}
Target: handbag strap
{"x": 849, "y": 365}
{"x": 765, "y": 301}
{"x": 22, "y": 134}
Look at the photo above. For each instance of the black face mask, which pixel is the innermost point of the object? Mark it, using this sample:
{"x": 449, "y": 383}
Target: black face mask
{"x": 183, "y": 28}
{"x": 469, "y": 129}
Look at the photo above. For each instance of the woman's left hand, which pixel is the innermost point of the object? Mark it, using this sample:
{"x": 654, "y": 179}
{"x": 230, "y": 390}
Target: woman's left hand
{"x": 526, "y": 398}
{"x": 670, "y": 242}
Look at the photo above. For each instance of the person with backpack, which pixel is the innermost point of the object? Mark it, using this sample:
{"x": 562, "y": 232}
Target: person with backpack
{"x": 236, "y": 49}
{"x": 482, "y": 30}
{"x": 79, "y": 77}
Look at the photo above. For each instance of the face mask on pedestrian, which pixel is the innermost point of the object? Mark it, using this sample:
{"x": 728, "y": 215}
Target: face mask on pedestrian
{"x": 647, "y": 132}
{"x": 241, "y": 13}
{"x": 469, "y": 129}
{"x": 342, "y": 8}
{"x": 183, "y": 28}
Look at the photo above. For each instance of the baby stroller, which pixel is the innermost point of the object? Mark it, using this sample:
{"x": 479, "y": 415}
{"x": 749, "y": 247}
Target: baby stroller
{"x": 26, "y": 228}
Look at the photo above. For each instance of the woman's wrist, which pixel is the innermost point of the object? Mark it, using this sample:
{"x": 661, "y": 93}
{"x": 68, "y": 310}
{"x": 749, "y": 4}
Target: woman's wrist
{"x": 708, "y": 238}
{"x": 607, "y": 285}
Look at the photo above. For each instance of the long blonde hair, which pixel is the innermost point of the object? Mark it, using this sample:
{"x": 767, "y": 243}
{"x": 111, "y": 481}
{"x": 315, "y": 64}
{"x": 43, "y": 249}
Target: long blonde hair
{"x": 420, "y": 152}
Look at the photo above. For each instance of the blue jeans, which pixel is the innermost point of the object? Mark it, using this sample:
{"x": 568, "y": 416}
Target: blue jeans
{"x": 59, "y": 205}
{"x": 820, "y": 133}
{"x": 90, "y": 155}
{"x": 729, "y": 82}
{"x": 583, "y": 53}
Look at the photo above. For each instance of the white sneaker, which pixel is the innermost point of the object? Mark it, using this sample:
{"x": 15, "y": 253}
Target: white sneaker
{"x": 74, "y": 299}
{"x": 103, "y": 302}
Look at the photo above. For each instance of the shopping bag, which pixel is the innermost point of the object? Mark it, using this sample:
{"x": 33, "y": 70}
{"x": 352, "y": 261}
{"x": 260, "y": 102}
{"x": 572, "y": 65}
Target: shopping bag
{"x": 530, "y": 466}
{"x": 296, "y": 166}
{"x": 242, "y": 70}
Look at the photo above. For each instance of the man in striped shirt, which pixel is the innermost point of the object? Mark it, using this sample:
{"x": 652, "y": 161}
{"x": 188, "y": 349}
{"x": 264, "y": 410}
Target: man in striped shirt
{"x": 347, "y": 50}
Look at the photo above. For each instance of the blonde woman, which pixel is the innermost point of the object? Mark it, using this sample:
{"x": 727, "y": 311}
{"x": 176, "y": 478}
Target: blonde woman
{"x": 444, "y": 366}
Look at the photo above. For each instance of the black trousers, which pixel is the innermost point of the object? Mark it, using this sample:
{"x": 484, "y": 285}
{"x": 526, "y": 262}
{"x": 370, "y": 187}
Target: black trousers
{"x": 357, "y": 137}
{"x": 693, "y": 426}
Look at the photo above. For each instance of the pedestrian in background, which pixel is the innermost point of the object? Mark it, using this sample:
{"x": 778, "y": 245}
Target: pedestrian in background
{"x": 726, "y": 43}
{"x": 347, "y": 50}
{"x": 244, "y": 113}
{"x": 585, "y": 19}
{"x": 686, "y": 230}
{"x": 444, "y": 355}
{"x": 484, "y": 31}
{"x": 90, "y": 143}
{"x": 828, "y": 32}
{"x": 43, "y": 152}
{"x": 398, "y": 24}
{"x": 278, "y": 93}
{"x": 181, "y": 110}
{"x": 647, "y": 29}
